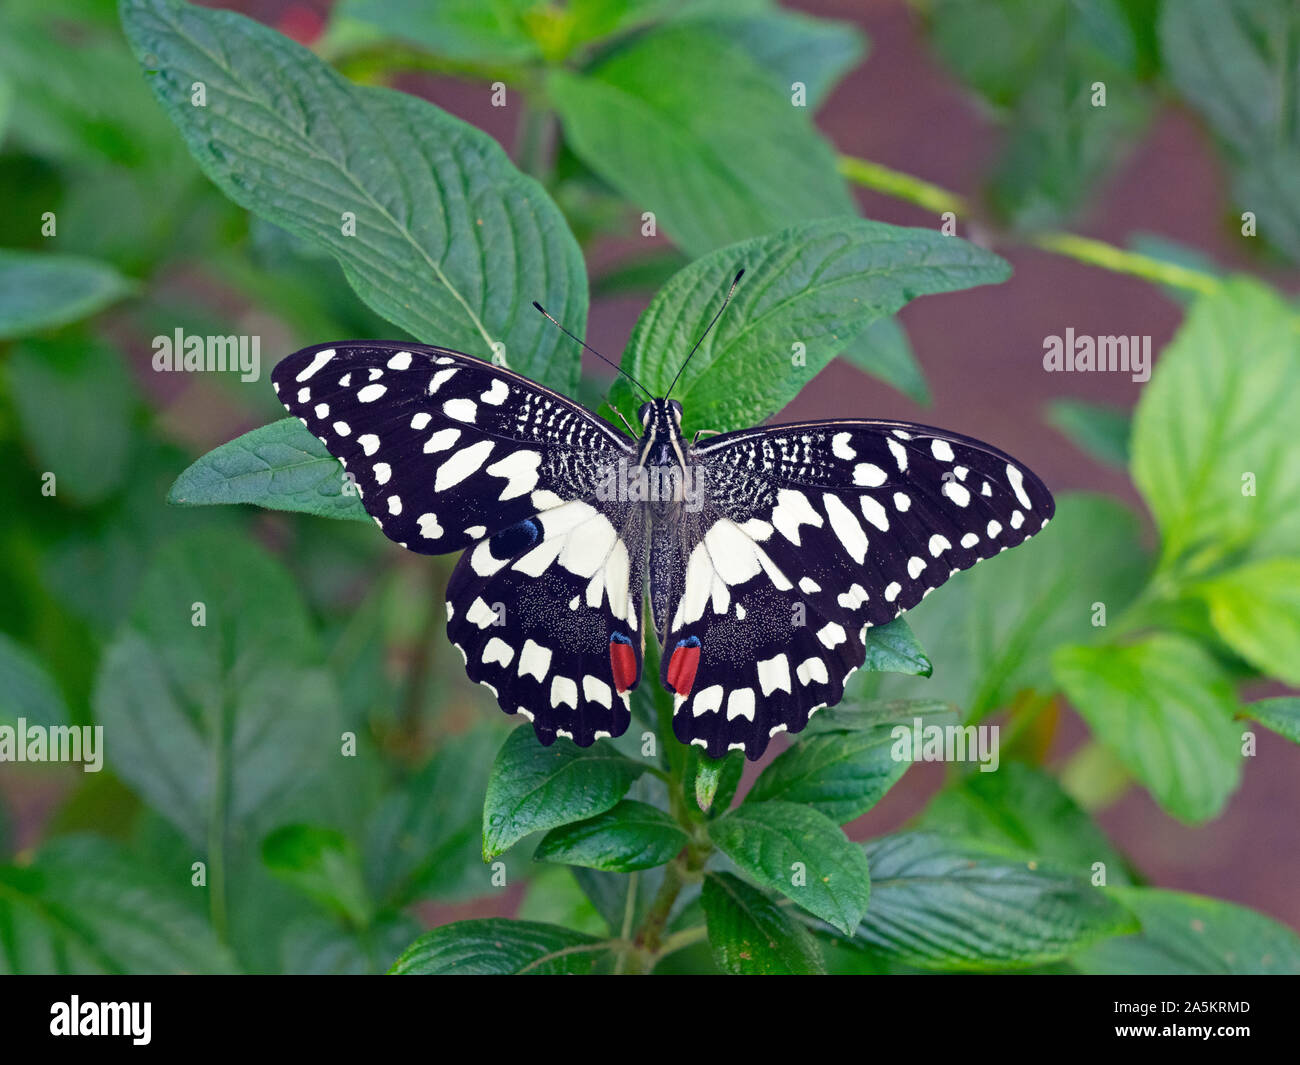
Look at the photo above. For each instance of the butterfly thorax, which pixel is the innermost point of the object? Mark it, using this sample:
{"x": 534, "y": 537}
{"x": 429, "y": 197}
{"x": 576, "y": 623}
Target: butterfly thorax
{"x": 663, "y": 460}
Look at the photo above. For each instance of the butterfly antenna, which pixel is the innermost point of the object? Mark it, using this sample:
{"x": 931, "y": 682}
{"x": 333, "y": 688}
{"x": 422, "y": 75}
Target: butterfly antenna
{"x": 598, "y": 355}
{"x": 730, "y": 292}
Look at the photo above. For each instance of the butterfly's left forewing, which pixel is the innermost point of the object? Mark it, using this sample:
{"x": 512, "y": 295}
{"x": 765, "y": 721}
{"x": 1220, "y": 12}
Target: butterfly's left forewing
{"x": 450, "y": 452}
{"x": 809, "y": 535}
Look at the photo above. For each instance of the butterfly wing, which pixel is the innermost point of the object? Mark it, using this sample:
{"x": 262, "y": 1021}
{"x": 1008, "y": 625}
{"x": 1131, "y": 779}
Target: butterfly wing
{"x": 808, "y": 535}
{"x": 450, "y": 452}
{"x": 444, "y": 448}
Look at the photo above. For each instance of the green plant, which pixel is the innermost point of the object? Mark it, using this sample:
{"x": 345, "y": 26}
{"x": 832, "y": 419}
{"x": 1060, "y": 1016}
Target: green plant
{"x": 304, "y": 759}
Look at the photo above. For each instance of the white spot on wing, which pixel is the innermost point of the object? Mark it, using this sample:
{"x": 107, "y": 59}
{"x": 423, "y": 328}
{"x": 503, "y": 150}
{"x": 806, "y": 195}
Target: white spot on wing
{"x": 317, "y": 361}
{"x": 460, "y": 465}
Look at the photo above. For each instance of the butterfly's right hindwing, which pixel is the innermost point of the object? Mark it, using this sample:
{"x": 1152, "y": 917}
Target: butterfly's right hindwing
{"x": 444, "y": 449}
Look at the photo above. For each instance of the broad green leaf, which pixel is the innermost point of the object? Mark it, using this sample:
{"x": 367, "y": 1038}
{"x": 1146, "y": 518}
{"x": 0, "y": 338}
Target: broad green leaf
{"x": 991, "y": 629}
{"x": 1096, "y": 429}
{"x": 793, "y": 48}
{"x": 44, "y": 290}
{"x": 320, "y": 946}
{"x": 26, "y": 689}
{"x": 1184, "y": 934}
{"x": 656, "y": 118}
{"x": 218, "y": 709}
{"x": 423, "y": 840}
{"x": 1023, "y": 808}
{"x": 281, "y": 466}
{"x": 323, "y": 864}
{"x": 76, "y": 403}
{"x": 894, "y": 648}
{"x": 533, "y": 788}
{"x": 942, "y": 903}
{"x": 466, "y": 30}
{"x": 1037, "y": 61}
{"x": 1214, "y": 453}
{"x": 630, "y": 836}
{"x": 497, "y": 947}
{"x": 751, "y": 935}
{"x": 1282, "y": 715}
{"x": 845, "y": 767}
{"x": 1234, "y": 61}
{"x": 883, "y": 351}
{"x": 800, "y": 853}
{"x": 808, "y": 292}
{"x": 451, "y": 241}
{"x": 86, "y": 906}
{"x": 1165, "y": 707}
{"x": 1256, "y": 609}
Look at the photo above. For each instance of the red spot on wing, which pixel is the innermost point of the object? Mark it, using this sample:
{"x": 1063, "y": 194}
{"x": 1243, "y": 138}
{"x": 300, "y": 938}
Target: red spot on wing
{"x": 622, "y": 661}
{"x": 681, "y": 669}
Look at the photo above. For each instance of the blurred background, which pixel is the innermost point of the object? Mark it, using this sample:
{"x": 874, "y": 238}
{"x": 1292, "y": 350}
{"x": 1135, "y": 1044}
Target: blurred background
{"x": 949, "y": 93}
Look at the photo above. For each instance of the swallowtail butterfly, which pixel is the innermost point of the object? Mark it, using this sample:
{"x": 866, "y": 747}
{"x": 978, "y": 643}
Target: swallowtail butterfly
{"x": 767, "y": 552}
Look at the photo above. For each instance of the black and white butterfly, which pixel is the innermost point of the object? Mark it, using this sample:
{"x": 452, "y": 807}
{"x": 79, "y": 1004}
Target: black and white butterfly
{"x": 768, "y": 552}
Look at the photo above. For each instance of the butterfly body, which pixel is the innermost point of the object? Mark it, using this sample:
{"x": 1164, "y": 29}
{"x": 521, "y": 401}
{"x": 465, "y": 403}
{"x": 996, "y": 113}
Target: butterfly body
{"x": 767, "y": 553}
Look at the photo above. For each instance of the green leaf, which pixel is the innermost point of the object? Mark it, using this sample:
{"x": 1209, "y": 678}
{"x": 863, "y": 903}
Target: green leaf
{"x": 554, "y": 896}
{"x": 1037, "y": 62}
{"x": 1256, "y": 609}
{"x": 792, "y": 47}
{"x": 281, "y": 466}
{"x": 1098, "y": 430}
{"x": 424, "y": 839}
{"x": 1165, "y": 707}
{"x": 630, "y": 836}
{"x": 751, "y": 935}
{"x": 323, "y": 864}
{"x": 321, "y": 946}
{"x": 800, "y": 853}
{"x": 497, "y": 947}
{"x": 1023, "y": 808}
{"x": 26, "y": 689}
{"x": 42, "y": 290}
{"x": 657, "y": 120}
{"x": 845, "y": 768}
{"x": 1193, "y": 935}
{"x": 533, "y": 788}
{"x": 85, "y": 906}
{"x": 884, "y": 351}
{"x": 465, "y": 30}
{"x": 894, "y": 648}
{"x": 1213, "y": 450}
{"x": 451, "y": 240}
{"x": 944, "y": 903}
{"x": 224, "y": 727}
{"x": 1234, "y": 61}
{"x": 1282, "y": 715}
{"x": 994, "y": 628}
{"x": 711, "y": 783}
{"x": 75, "y": 402}
{"x": 819, "y": 285}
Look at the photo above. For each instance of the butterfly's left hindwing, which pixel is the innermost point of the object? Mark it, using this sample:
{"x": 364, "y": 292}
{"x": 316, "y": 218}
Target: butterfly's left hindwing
{"x": 808, "y": 535}
{"x": 450, "y": 452}
{"x": 444, "y": 448}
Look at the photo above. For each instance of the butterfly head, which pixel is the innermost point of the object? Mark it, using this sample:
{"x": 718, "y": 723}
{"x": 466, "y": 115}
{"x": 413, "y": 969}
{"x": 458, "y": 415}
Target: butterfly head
{"x": 661, "y": 439}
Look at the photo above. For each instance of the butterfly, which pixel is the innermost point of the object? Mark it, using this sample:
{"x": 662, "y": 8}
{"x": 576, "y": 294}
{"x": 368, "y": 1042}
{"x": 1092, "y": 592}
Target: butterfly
{"x": 767, "y": 552}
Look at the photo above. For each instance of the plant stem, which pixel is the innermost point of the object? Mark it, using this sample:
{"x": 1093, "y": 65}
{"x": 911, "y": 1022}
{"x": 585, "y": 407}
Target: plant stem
{"x": 1082, "y": 249}
{"x": 901, "y": 186}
